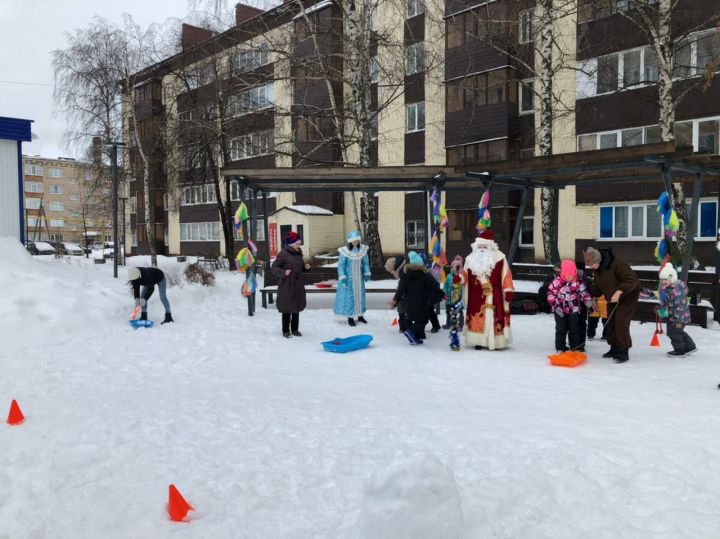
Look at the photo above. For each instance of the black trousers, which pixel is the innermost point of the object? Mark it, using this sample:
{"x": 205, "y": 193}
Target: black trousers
{"x": 681, "y": 341}
{"x": 290, "y": 322}
{"x": 567, "y": 326}
{"x": 433, "y": 317}
{"x": 583, "y": 323}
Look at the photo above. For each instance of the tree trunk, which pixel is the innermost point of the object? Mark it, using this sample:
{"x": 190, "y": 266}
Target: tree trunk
{"x": 548, "y": 196}
{"x": 666, "y": 54}
{"x": 149, "y": 227}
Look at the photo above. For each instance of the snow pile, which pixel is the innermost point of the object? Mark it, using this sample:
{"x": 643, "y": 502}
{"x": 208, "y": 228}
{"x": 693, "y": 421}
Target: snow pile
{"x": 43, "y": 297}
{"x": 412, "y": 498}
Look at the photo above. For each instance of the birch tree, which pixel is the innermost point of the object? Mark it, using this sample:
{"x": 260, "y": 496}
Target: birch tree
{"x": 95, "y": 80}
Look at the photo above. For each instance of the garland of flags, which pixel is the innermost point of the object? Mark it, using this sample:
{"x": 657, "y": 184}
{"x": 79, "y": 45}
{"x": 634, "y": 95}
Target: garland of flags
{"x": 484, "y": 221}
{"x": 670, "y": 227}
{"x": 440, "y": 223}
{"x": 246, "y": 257}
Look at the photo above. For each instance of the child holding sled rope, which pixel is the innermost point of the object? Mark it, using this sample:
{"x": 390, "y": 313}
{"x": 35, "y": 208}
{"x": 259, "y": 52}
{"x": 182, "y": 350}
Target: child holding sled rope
{"x": 566, "y": 295}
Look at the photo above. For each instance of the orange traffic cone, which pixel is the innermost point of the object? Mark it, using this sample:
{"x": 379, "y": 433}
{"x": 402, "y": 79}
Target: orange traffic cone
{"x": 15, "y": 417}
{"x": 177, "y": 506}
{"x": 655, "y": 342}
{"x": 394, "y": 323}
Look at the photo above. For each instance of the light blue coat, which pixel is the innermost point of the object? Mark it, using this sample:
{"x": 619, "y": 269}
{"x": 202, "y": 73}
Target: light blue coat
{"x": 353, "y": 271}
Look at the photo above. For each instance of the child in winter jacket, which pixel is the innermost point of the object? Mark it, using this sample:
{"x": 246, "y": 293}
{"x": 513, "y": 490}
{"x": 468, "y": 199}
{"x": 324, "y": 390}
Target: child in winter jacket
{"x": 566, "y": 295}
{"x": 675, "y": 309}
{"x": 453, "y": 289}
{"x": 395, "y": 266}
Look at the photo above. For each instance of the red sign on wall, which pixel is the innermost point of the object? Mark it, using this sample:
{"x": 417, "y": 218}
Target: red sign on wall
{"x": 273, "y": 239}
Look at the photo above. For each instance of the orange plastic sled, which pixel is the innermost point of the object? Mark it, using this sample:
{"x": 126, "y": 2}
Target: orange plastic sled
{"x": 567, "y": 359}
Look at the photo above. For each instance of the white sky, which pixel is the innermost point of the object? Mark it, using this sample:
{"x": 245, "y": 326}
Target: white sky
{"x": 30, "y": 30}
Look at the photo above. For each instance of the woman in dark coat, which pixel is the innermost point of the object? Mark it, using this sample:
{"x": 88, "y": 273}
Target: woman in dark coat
{"x": 620, "y": 285}
{"x": 289, "y": 267}
{"x": 418, "y": 289}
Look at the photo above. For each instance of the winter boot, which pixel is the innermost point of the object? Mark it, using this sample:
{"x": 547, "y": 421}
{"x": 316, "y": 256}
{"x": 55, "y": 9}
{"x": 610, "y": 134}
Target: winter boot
{"x": 143, "y": 316}
{"x": 610, "y": 353}
{"x": 296, "y": 333}
{"x": 676, "y": 353}
{"x": 621, "y": 355}
{"x": 362, "y": 319}
{"x": 168, "y": 318}
{"x": 286, "y": 334}
{"x": 351, "y": 322}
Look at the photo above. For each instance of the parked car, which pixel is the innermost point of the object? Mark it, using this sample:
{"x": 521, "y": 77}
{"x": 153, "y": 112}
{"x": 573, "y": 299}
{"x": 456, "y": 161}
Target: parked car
{"x": 40, "y": 248}
{"x": 69, "y": 248}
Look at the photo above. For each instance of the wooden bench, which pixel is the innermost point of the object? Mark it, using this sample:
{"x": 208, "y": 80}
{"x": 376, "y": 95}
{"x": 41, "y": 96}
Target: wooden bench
{"x": 268, "y": 292}
{"x": 318, "y": 274}
{"x": 213, "y": 262}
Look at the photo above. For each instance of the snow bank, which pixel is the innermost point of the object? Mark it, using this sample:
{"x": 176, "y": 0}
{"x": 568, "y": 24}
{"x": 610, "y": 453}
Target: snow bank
{"x": 42, "y": 298}
{"x": 412, "y": 498}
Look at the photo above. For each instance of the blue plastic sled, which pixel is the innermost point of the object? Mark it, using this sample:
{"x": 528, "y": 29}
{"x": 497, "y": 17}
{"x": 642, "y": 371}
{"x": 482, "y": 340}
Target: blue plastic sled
{"x": 348, "y": 344}
{"x": 137, "y": 324}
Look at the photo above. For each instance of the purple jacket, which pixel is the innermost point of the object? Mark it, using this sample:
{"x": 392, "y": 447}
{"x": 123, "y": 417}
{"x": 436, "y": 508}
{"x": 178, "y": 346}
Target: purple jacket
{"x": 567, "y": 296}
{"x": 674, "y": 301}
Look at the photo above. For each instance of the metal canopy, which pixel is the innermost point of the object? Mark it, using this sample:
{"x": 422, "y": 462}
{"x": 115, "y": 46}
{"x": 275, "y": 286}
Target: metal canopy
{"x": 636, "y": 163}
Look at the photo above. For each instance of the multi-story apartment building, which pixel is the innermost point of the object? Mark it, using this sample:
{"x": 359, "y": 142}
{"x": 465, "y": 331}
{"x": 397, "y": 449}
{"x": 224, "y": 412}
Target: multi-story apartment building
{"x": 66, "y": 200}
{"x": 618, "y": 105}
{"x": 466, "y": 97}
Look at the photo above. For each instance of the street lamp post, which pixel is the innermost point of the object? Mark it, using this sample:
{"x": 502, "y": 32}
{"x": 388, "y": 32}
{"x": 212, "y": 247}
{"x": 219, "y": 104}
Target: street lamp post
{"x": 113, "y": 157}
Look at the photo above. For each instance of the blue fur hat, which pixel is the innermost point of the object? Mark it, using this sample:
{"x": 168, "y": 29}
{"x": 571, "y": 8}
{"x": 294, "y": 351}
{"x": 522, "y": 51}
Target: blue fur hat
{"x": 353, "y": 235}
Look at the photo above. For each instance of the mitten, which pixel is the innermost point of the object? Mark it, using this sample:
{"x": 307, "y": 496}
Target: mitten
{"x": 366, "y": 278}
{"x": 508, "y": 296}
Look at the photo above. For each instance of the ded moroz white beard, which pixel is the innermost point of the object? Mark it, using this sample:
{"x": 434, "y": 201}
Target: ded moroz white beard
{"x": 482, "y": 261}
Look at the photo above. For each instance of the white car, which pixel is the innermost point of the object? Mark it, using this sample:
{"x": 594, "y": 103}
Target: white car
{"x": 40, "y": 248}
{"x": 69, "y": 248}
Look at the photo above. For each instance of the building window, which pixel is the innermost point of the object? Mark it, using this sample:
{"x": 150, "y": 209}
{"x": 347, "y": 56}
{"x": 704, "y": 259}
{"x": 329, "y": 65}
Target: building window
{"x": 483, "y": 89}
{"x": 56, "y": 238}
{"x": 478, "y": 152}
{"x": 56, "y": 206}
{"x": 252, "y": 145}
{"x": 246, "y": 61}
{"x": 56, "y": 189}
{"x": 526, "y": 21}
{"x": 32, "y": 221}
{"x": 89, "y": 175}
{"x": 527, "y": 96}
{"x": 255, "y": 99}
{"x": 198, "y": 194}
{"x": 74, "y": 198}
{"x": 415, "y": 58}
{"x": 33, "y": 187}
{"x": 33, "y": 170}
{"x": 74, "y": 181}
{"x": 200, "y": 76}
{"x": 200, "y": 231}
{"x": 527, "y": 232}
{"x": 702, "y": 133}
{"x": 132, "y": 204}
{"x": 32, "y": 203}
{"x": 133, "y": 239}
{"x": 57, "y": 223}
{"x": 415, "y": 116}
{"x": 56, "y": 173}
{"x": 637, "y": 222}
{"x": 415, "y": 8}
{"x": 415, "y": 233}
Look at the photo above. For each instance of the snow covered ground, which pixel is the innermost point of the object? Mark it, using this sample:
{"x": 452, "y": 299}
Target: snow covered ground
{"x": 274, "y": 438}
